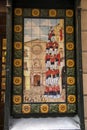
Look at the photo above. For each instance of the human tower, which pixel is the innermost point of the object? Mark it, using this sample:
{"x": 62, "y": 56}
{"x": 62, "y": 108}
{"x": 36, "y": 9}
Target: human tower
{"x": 52, "y": 61}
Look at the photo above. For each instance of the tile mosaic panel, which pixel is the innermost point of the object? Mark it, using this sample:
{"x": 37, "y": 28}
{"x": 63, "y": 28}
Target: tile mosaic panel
{"x": 44, "y": 78}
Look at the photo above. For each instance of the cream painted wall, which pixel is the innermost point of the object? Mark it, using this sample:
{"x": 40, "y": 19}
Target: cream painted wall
{"x": 84, "y": 53}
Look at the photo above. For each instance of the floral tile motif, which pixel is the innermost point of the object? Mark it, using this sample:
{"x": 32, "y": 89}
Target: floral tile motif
{"x": 44, "y": 79}
{"x": 18, "y": 45}
{"x": 62, "y": 108}
{"x": 26, "y": 108}
{"x": 71, "y": 98}
{"x": 16, "y": 99}
{"x": 69, "y": 13}
{"x": 35, "y": 12}
{"x": 44, "y": 108}
{"x": 18, "y": 12}
{"x": 52, "y": 13}
{"x": 17, "y": 80}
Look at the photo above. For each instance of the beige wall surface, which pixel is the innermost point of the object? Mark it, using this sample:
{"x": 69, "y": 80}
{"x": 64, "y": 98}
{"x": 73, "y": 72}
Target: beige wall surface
{"x": 84, "y": 54}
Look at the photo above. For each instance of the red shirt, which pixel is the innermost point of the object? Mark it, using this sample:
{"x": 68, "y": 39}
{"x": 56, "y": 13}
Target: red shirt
{"x": 55, "y": 56}
{"x": 47, "y": 57}
{"x": 54, "y": 89}
{"x": 52, "y": 58}
{"x": 49, "y": 36}
{"x": 48, "y": 72}
{"x": 50, "y": 44}
{"x": 55, "y": 44}
{"x": 58, "y": 57}
{"x": 50, "y": 89}
{"x": 57, "y": 71}
{"x": 47, "y": 89}
{"x": 53, "y": 72}
{"x": 47, "y": 45}
{"x": 57, "y": 88}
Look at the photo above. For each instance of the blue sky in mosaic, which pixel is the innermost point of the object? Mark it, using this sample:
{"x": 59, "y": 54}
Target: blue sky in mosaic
{"x": 35, "y": 28}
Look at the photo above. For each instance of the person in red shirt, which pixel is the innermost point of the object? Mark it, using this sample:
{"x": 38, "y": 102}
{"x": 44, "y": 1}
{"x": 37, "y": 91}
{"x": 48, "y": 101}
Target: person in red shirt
{"x": 56, "y": 61}
{"x": 57, "y": 89}
{"x": 55, "y": 44}
{"x": 55, "y": 47}
{"x": 51, "y": 33}
{"x": 52, "y": 60}
{"x": 55, "y": 76}
{"x": 57, "y": 72}
{"x": 48, "y": 76}
{"x": 51, "y": 48}
{"x": 50, "y": 44}
{"x": 58, "y": 58}
{"x": 48, "y": 73}
{"x": 49, "y": 36}
{"x": 47, "y": 47}
{"x": 46, "y": 92}
{"x": 54, "y": 91}
{"x": 47, "y": 60}
{"x": 50, "y": 90}
{"x": 53, "y": 73}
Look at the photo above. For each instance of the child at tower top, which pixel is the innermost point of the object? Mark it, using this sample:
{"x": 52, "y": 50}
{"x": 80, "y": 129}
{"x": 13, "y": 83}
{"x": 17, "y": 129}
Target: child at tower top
{"x": 51, "y": 33}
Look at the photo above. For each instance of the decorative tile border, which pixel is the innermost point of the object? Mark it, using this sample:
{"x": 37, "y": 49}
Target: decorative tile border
{"x": 70, "y": 105}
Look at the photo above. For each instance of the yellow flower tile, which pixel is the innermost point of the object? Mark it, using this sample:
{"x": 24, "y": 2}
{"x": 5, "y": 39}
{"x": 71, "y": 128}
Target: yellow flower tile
{"x": 17, "y": 62}
{"x": 70, "y": 63}
{"x": 71, "y": 98}
{"x": 62, "y": 108}
{"x": 17, "y": 80}
{"x": 69, "y": 29}
{"x": 18, "y": 45}
{"x": 18, "y": 11}
{"x": 17, "y": 99}
{"x": 35, "y": 12}
{"x": 52, "y": 13}
{"x": 26, "y": 108}
{"x": 70, "y": 80}
{"x": 17, "y": 28}
{"x": 69, "y": 46}
{"x": 44, "y": 108}
{"x": 69, "y": 13}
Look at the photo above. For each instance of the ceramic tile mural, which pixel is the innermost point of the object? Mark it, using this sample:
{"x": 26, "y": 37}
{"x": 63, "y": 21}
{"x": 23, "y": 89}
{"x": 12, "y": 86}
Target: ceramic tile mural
{"x": 44, "y": 60}
{"x": 44, "y": 79}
